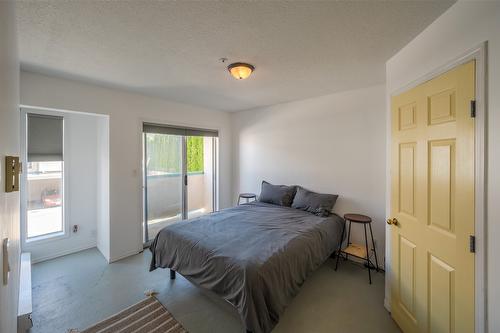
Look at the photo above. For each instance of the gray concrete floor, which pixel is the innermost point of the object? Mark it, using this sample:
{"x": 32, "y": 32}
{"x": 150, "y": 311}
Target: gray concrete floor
{"x": 80, "y": 289}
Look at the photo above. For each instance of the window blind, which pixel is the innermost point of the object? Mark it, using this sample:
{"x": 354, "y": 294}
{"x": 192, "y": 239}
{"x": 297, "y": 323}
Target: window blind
{"x": 177, "y": 130}
{"x": 45, "y": 138}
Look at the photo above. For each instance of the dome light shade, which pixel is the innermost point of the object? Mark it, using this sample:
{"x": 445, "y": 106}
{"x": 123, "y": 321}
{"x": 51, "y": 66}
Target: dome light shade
{"x": 240, "y": 70}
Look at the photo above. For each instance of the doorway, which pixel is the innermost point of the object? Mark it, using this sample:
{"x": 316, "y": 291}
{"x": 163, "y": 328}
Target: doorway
{"x": 433, "y": 204}
{"x": 179, "y": 175}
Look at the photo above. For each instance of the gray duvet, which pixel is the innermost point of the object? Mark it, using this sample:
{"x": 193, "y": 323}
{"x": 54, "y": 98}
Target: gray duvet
{"x": 255, "y": 256}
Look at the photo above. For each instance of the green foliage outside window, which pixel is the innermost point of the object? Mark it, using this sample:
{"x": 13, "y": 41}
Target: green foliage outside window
{"x": 164, "y": 153}
{"x": 194, "y": 153}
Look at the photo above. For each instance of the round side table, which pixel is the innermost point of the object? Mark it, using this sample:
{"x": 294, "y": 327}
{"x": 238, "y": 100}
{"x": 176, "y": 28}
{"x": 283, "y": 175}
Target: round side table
{"x": 359, "y": 251}
{"x": 247, "y": 196}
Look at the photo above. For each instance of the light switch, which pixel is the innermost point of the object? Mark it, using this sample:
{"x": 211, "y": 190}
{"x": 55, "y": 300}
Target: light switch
{"x": 5, "y": 261}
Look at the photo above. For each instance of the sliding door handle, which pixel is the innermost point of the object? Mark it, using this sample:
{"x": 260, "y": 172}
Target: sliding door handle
{"x": 185, "y": 180}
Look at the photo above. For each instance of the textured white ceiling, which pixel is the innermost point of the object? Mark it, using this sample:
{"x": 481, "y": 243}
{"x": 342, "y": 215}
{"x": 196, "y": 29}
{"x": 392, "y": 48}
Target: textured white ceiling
{"x": 171, "y": 49}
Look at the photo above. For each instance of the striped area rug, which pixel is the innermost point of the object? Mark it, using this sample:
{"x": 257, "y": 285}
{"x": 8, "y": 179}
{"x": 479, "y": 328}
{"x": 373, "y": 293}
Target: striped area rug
{"x": 147, "y": 316}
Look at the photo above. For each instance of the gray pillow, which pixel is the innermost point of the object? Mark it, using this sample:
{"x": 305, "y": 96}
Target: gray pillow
{"x": 277, "y": 194}
{"x": 312, "y": 202}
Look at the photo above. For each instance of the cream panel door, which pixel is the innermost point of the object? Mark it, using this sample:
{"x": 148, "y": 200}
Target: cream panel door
{"x": 432, "y": 204}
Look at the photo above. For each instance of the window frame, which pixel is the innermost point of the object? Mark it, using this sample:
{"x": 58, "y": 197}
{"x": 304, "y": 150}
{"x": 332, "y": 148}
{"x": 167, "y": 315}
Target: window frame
{"x": 65, "y": 233}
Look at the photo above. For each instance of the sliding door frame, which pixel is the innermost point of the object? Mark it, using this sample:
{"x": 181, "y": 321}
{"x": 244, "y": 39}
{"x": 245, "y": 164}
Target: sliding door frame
{"x": 145, "y": 238}
{"x": 184, "y": 175}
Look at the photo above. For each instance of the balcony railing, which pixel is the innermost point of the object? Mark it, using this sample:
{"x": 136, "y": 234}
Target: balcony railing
{"x": 165, "y": 194}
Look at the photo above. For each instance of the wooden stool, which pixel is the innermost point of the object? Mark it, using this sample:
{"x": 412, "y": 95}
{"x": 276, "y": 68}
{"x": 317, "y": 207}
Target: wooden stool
{"x": 355, "y": 250}
{"x": 247, "y": 196}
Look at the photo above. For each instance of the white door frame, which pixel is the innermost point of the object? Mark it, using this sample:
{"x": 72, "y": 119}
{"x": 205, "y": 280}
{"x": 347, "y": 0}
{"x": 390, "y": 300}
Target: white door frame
{"x": 479, "y": 54}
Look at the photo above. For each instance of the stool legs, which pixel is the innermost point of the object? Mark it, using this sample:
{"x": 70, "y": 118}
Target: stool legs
{"x": 374, "y": 249}
{"x": 368, "y": 264}
{"x": 367, "y": 256}
{"x": 348, "y": 239}
{"x": 340, "y": 246}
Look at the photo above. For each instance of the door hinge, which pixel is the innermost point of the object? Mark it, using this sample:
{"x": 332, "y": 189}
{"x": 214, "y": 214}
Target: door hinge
{"x": 472, "y": 244}
{"x": 473, "y": 109}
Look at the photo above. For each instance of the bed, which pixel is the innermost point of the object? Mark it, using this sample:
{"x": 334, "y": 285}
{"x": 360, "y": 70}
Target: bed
{"x": 255, "y": 256}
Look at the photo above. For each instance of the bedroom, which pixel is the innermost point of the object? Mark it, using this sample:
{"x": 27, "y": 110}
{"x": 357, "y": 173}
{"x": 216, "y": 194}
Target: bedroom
{"x": 310, "y": 114}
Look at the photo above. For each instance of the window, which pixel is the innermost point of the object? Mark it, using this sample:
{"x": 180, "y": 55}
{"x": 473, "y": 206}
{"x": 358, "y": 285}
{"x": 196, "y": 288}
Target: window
{"x": 44, "y": 179}
{"x": 44, "y": 190}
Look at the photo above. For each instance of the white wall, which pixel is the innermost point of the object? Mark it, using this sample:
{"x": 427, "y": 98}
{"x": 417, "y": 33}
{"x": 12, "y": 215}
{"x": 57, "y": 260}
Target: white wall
{"x": 102, "y": 197}
{"x": 126, "y": 112}
{"x": 463, "y": 27}
{"x": 9, "y": 145}
{"x": 81, "y": 151}
{"x": 330, "y": 144}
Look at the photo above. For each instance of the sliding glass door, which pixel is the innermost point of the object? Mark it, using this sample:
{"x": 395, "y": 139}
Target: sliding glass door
{"x": 179, "y": 175}
{"x": 163, "y": 190}
{"x": 200, "y": 175}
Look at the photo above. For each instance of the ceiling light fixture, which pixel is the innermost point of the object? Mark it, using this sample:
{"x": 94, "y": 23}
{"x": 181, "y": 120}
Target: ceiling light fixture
{"x": 240, "y": 70}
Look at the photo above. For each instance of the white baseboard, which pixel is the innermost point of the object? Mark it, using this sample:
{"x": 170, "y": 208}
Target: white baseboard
{"x": 62, "y": 253}
{"x": 387, "y": 304}
{"x": 83, "y": 248}
{"x": 123, "y": 256}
